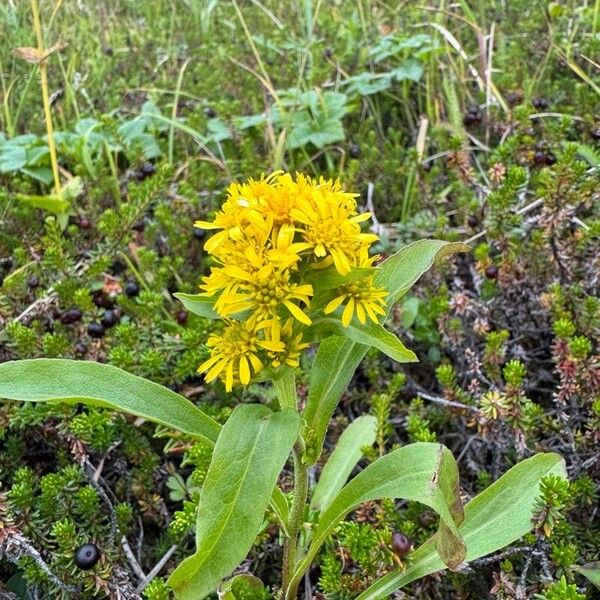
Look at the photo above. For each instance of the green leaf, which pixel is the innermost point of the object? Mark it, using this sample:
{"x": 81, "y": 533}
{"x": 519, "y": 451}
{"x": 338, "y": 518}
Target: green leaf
{"x": 398, "y": 273}
{"x": 369, "y": 333}
{"x": 198, "y": 304}
{"x": 95, "y": 384}
{"x": 338, "y": 358}
{"x": 591, "y": 571}
{"x": 284, "y": 383}
{"x": 497, "y": 517}
{"x": 421, "y": 472}
{"x": 331, "y": 372}
{"x": 251, "y": 451}
{"x": 411, "y": 69}
{"x": 243, "y": 587}
{"x": 367, "y": 83}
{"x": 348, "y": 451}
{"x": 52, "y": 203}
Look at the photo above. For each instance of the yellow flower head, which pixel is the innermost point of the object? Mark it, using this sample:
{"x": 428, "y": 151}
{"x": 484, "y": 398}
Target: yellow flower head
{"x": 274, "y": 237}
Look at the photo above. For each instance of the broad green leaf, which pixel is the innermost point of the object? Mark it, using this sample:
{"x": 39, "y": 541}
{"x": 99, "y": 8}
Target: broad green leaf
{"x": 95, "y": 384}
{"x": 198, "y": 304}
{"x": 422, "y": 472}
{"x": 411, "y": 69}
{"x": 591, "y": 571}
{"x": 249, "y": 454}
{"x": 41, "y": 174}
{"x": 331, "y": 372}
{"x": 398, "y": 273}
{"x": 497, "y": 517}
{"x": 369, "y": 333}
{"x": 368, "y": 83}
{"x": 348, "y": 451}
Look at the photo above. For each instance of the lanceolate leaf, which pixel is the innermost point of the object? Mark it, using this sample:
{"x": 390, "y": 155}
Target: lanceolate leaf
{"x": 348, "y": 451}
{"x": 332, "y": 370}
{"x": 497, "y": 517}
{"x": 422, "y": 472}
{"x": 95, "y": 384}
{"x": 198, "y": 304}
{"x": 369, "y": 333}
{"x": 398, "y": 273}
{"x": 248, "y": 456}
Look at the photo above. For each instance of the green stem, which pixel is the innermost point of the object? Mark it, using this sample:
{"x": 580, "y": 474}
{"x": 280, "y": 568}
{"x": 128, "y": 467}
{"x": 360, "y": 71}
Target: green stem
{"x": 290, "y": 547}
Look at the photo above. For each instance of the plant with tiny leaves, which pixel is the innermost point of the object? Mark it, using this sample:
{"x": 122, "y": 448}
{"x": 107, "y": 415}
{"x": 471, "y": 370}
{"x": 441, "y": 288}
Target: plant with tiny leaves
{"x": 292, "y": 268}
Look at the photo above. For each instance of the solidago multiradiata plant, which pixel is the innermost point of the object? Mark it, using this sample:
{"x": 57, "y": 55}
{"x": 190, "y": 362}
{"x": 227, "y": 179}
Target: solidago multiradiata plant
{"x": 292, "y": 273}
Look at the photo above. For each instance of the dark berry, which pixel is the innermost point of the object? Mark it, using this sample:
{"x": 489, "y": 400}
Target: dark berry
{"x": 96, "y": 330}
{"x": 33, "y": 282}
{"x": 117, "y": 267}
{"x": 540, "y": 103}
{"x": 328, "y": 53}
{"x": 80, "y": 348}
{"x": 182, "y": 317}
{"x": 71, "y": 316}
{"x": 148, "y": 169}
{"x": 401, "y": 545}
{"x": 210, "y": 112}
{"x": 539, "y": 158}
{"x": 84, "y": 223}
{"x": 108, "y": 50}
{"x": 101, "y": 300}
{"x": 473, "y": 116}
{"x": 550, "y": 158}
{"x": 199, "y": 234}
{"x": 132, "y": 288}
{"x": 514, "y": 98}
{"x": 472, "y": 220}
{"x": 354, "y": 151}
{"x": 109, "y": 318}
{"x": 491, "y": 272}
{"x": 87, "y": 556}
{"x": 595, "y": 131}
{"x": 139, "y": 226}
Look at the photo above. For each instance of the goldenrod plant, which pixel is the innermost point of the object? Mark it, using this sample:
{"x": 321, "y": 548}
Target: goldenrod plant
{"x": 293, "y": 275}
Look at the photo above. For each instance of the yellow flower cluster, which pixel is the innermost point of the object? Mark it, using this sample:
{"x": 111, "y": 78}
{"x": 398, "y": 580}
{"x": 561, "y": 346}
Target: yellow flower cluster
{"x": 274, "y": 238}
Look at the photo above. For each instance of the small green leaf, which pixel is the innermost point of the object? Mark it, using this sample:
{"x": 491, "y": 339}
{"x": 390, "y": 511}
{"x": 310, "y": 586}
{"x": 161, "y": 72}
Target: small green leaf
{"x": 95, "y": 384}
{"x": 497, "y": 517}
{"x": 348, "y": 451}
{"x": 198, "y": 304}
{"x": 398, "y": 273}
{"x": 243, "y": 587}
{"x": 591, "y": 571}
{"x": 421, "y": 472}
{"x": 251, "y": 451}
{"x": 369, "y": 333}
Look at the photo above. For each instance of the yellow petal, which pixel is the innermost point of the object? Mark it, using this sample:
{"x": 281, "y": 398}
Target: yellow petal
{"x": 360, "y": 312}
{"x": 348, "y": 312}
{"x": 214, "y": 372}
{"x": 244, "y": 370}
{"x": 334, "y": 304}
{"x": 229, "y": 377}
{"x": 297, "y": 312}
{"x": 206, "y": 225}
